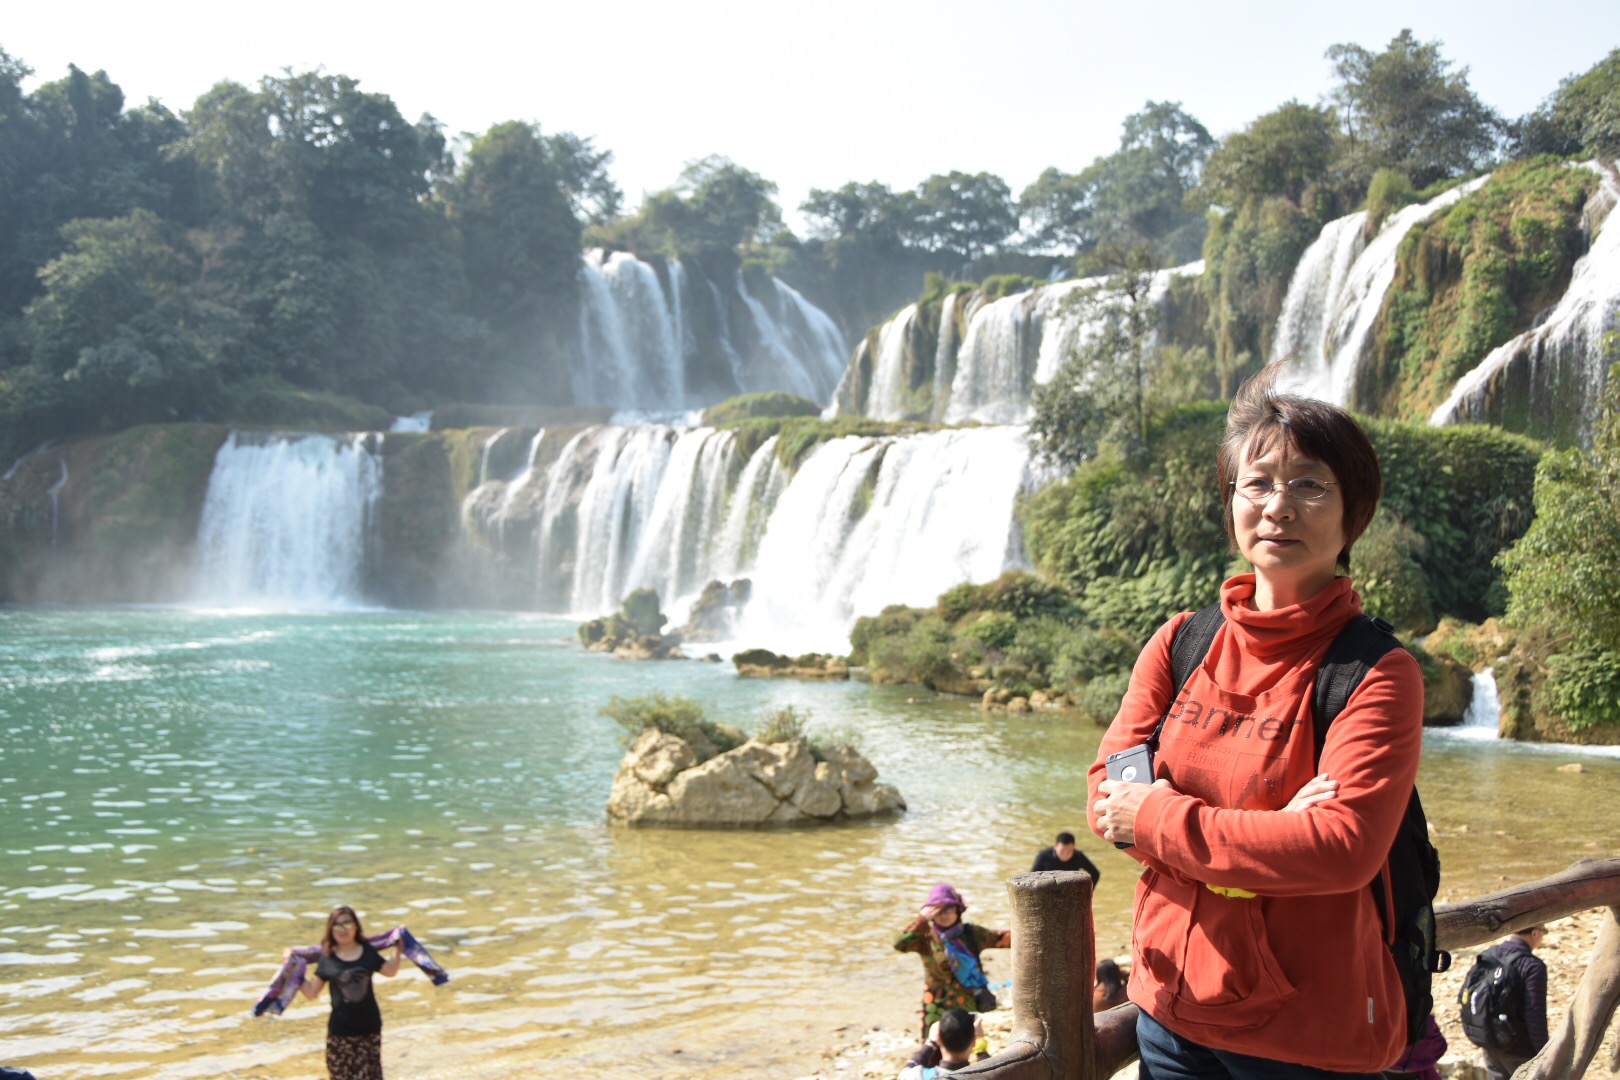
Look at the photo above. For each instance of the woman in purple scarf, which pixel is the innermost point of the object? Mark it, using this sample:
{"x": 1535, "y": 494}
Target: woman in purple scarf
{"x": 950, "y": 951}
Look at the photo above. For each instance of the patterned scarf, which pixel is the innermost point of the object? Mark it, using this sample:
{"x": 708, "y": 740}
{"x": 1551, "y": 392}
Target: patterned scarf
{"x": 963, "y": 964}
{"x": 291, "y": 976}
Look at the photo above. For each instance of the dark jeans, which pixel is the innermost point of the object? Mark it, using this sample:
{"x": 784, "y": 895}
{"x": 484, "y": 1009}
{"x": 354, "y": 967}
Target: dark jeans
{"x": 1167, "y": 1056}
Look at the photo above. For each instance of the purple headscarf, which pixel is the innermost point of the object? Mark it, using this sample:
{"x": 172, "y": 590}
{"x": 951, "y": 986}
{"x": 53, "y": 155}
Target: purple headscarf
{"x": 943, "y": 894}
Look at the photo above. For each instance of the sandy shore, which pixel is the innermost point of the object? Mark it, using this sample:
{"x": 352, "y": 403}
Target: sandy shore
{"x": 880, "y": 1052}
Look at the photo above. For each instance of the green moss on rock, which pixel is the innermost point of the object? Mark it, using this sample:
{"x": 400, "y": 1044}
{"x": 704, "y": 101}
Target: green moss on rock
{"x": 1471, "y": 278}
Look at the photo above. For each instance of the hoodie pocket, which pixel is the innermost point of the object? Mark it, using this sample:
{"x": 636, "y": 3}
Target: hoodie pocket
{"x": 1203, "y": 958}
{"x": 1230, "y": 978}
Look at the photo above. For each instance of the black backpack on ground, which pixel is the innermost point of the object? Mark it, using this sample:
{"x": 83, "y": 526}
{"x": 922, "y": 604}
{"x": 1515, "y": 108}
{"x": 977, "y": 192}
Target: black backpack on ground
{"x": 1492, "y": 1000}
{"x": 1414, "y": 864}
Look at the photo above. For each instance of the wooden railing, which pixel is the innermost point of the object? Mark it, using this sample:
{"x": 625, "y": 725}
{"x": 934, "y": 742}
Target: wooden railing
{"x": 1056, "y": 1036}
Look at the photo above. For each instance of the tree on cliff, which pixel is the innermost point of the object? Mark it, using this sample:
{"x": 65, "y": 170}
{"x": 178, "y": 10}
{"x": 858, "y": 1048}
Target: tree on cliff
{"x": 1134, "y": 196}
{"x": 1283, "y": 153}
{"x": 1103, "y": 392}
{"x": 964, "y": 213}
{"x": 1405, "y": 109}
{"x": 1581, "y": 118}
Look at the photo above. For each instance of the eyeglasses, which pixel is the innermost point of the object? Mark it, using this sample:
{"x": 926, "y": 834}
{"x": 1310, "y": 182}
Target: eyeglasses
{"x": 1257, "y": 489}
{"x": 346, "y": 924}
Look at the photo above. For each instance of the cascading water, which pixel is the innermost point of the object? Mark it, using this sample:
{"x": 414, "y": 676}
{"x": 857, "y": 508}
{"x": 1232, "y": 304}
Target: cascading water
{"x": 1482, "y": 719}
{"x": 865, "y": 523}
{"x": 1554, "y": 372}
{"x": 1333, "y": 298}
{"x": 986, "y": 373}
{"x": 887, "y": 397}
{"x": 621, "y": 508}
{"x": 56, "y": 496}
{"x": 639, "y": 347}
{"x": 285, "y": 521}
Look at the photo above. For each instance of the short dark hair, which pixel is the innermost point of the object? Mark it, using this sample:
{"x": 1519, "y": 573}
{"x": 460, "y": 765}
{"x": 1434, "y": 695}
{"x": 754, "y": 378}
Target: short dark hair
{"x": 1064, "y": 838}
{"x": 1260, "y": 418}
{"x": 956, "y": 1031}
{"x": 1527, "y": 931}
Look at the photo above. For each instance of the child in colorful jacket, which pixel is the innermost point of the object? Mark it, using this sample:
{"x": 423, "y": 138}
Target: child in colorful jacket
{"x": 950, "y": 951}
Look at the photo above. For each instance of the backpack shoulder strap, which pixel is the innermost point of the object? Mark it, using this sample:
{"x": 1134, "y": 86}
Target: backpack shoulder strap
{"x": 1362, "y": 643}
{"x": 1188, "y": 647}
{"x": 1191, "y": 642}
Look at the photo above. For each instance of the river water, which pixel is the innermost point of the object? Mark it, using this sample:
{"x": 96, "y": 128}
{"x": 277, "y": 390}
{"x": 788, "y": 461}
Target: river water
{"x": 185, "y": 793}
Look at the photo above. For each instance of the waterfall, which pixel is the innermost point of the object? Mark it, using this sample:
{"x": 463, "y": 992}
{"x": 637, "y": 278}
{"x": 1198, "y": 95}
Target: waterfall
{"x": 1010, "y": 344}
{"x": 640, "y": 348}
{"x": 632, "y": 350}
{"x": 860, "y": 524}
{"x": 869, "y": 522}
{"x": 55, "y": 494}
{"x": 417, "y": 421}
{"x": 1483, "y": 718}
{"x": 797, "y": 346}
{"x": 1554, "y": 372}
{"x": 887, "y": 396}
{"x": 1333, "y": 299}
{"x": 285, "y": 520}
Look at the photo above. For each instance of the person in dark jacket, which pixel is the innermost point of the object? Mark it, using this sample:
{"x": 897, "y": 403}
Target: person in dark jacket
{"x": 1518, "y": 949}
{"x": 1063, "y": 855}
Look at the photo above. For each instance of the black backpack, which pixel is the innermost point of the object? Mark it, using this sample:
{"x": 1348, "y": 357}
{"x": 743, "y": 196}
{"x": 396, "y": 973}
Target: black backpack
{"x": 1414, "y": 864}
{"x": 1492, "y": 1000}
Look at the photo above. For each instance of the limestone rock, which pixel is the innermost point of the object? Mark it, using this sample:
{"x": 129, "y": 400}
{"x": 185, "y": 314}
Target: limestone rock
{"x": 1448, "y": 689}
{"x": 660, "y": 782}
{"x": 714, "y": 614}
{"x": 634, "y": 632}
{"x": 764, "y": 664}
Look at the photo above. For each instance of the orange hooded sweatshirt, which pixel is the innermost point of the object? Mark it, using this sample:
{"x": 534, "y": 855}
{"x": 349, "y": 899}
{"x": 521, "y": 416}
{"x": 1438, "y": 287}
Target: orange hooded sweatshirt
{"x": 1300, "y": 971}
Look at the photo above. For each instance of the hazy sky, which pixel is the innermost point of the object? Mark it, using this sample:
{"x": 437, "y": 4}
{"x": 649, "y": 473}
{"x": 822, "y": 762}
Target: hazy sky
{"x": 811, "y": 94}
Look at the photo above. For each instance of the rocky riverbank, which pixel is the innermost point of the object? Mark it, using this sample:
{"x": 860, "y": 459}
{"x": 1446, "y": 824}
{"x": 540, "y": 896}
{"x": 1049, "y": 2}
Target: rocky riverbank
{"x": 880, "y": 1052}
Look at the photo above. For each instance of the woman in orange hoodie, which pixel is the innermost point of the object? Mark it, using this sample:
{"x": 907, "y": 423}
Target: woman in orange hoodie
{"x": 1257, "y": 950}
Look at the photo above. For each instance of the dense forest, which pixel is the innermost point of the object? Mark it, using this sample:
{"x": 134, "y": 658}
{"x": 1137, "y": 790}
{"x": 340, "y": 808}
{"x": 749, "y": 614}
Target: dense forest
{"x": 301, "y": 237}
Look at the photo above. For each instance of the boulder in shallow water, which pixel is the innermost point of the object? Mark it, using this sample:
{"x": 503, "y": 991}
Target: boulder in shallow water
{"x": 660, "y": 783}
{"x": 715, "y": 613}
{"x": 764, "y": 664}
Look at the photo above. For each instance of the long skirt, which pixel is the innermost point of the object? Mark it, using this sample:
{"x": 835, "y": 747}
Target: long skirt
{"x": 354, "y": 1057}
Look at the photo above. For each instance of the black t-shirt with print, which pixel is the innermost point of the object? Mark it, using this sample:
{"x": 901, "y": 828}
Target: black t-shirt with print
{"x": 354, "y": 1006}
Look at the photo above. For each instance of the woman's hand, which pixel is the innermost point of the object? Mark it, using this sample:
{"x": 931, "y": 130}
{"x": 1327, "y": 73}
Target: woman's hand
{"x": 1319, "y": 789}
{"x": 1117, "y": 809}
{"x": 286, "y": 954}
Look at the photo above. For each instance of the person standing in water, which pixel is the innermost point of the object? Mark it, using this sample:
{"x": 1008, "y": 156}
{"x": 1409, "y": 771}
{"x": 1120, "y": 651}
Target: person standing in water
{"x": 348, "y": 961}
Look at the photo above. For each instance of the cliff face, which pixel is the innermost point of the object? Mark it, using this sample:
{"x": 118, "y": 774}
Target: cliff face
{"x": 109, "y": 519}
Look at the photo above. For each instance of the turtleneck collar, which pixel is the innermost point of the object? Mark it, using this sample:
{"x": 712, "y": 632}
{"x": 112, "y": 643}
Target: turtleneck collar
{"x": 1287, "y": 629}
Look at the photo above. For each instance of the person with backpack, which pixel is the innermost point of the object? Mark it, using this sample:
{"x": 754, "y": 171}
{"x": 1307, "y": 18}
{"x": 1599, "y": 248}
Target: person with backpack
{"x": 1504, "y": 1002}
{"x": 950, "y": 948}
{"x": 1259, "y": 947}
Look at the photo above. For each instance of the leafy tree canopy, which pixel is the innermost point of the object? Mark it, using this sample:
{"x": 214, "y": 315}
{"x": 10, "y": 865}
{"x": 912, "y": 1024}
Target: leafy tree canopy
{"x": 1582, "y": 117}
{"x": 1135, "y": 196}
{"x": 964, "y": 213}
{"x": 1281, "y": 153}
{"x": 1406, "y": 109}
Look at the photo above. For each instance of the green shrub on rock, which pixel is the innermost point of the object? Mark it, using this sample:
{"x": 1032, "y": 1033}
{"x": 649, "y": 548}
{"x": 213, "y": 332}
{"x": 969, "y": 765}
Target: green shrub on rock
{"x": 673, "y": 715}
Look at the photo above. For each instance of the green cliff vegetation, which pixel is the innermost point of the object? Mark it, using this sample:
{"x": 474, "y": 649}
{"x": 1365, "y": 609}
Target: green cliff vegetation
{"x": 1472, "y": 277}
{"x": 1562, "y": 679}
{"x": 754, "y": 419}
{"x": 1127, "y": 539}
